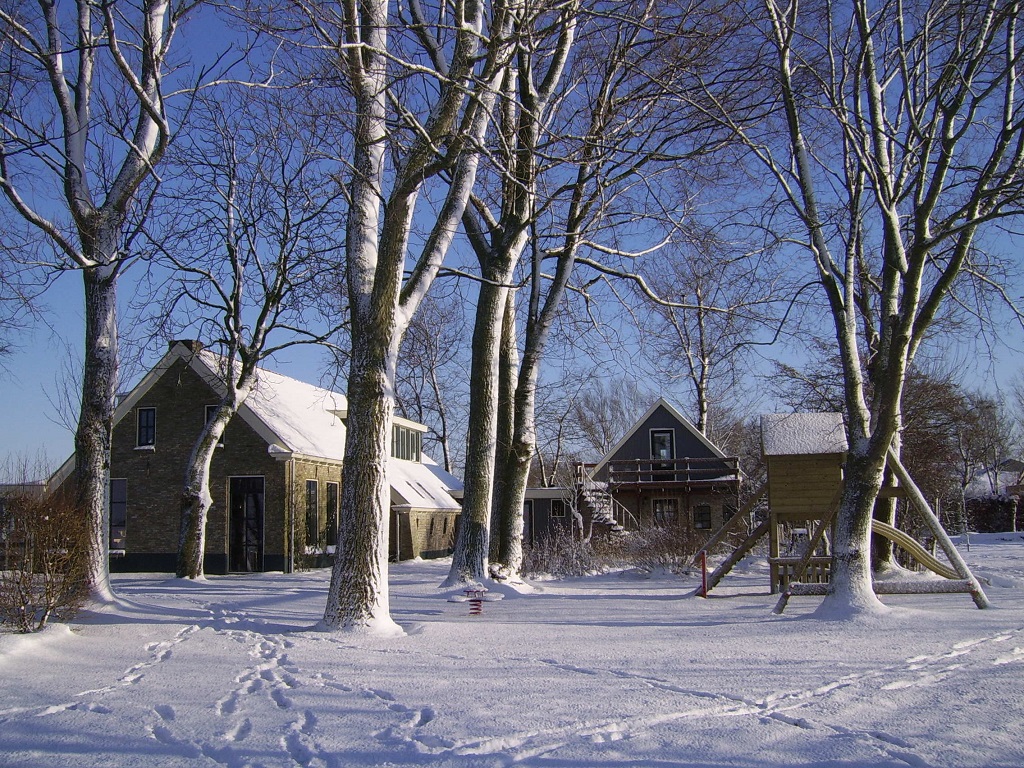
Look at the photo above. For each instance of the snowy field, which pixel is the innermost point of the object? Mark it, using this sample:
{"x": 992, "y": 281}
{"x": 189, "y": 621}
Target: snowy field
{"x": 605, "y": 671}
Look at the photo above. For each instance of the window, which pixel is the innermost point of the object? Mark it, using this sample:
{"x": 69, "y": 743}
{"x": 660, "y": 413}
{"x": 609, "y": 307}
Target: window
{"x": 702, "y": 516}
{"x": 558, "y": 508}
{"x": 666, "y": 512}
{"x": 332, "y": 514}
{"x": 118, "y": 512}
{"x": 662, "y": 444}
{"x": 405, "y": 443}
{"x": 312, "y": 514}
{"x": 146, "y": 432}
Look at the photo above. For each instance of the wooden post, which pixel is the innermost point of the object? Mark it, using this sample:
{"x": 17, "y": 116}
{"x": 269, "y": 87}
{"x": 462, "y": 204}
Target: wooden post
{"x": 955, "y": 559}
{"x": 703, "y": 573}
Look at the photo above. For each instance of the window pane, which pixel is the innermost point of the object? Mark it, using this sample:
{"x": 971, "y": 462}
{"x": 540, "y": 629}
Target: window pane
{"x": 118, "y": 512}
{"x": 312, "y": 514}
{"x": 332, "y": 514}
{"x": 666, "y": 511}
{"x": 147, "y": 427}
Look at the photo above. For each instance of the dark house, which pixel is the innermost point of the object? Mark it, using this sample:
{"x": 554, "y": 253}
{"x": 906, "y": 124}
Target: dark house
{"x": 662, "y": 472}
{"x": 275, "y": 478}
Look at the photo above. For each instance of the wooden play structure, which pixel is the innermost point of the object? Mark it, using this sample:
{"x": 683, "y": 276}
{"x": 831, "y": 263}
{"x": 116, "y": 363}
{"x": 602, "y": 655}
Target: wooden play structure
{"x": 804, "y": 454}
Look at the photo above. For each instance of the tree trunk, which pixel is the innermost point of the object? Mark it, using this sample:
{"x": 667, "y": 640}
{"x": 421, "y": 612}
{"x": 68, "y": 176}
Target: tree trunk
{"x": 883, "y": 552}
{"x": 196, "y": 499}
{"x": 359, "y": 596}
{"x": 95, "y": 423}
{"x": 509, "y": 488}
{"x": 850, "y": 588}
{"x": 470, "y": 558}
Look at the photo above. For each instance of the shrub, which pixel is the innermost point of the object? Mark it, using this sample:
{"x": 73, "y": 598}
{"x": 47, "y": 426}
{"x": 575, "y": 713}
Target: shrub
{"x": 669, "y": 549}
{"x": 43, "y": 545}
{"x": 652, "y": 549}
{"x": 561, "y": 554}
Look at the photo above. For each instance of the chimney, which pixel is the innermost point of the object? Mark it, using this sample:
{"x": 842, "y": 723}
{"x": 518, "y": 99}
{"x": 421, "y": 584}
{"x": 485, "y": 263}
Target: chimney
{"x": 192, "y": 345}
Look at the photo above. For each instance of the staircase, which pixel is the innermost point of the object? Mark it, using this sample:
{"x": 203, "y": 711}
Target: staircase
{"x": 595, "y": 498}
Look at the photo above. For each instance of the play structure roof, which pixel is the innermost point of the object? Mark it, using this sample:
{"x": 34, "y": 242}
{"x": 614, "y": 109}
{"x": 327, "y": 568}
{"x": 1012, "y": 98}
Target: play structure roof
{"x": 798, "y": 434}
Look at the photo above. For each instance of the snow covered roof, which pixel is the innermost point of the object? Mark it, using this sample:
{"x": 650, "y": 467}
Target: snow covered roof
{"x": 422, "y": 486}
{"x": 798, "y": 434}
{"x": 991, "y": 484}
{"x": 303, "y": 418}
{"x": 296, "y": 418}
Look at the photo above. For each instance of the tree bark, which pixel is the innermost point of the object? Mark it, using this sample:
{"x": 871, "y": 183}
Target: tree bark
{"x": 95, "y": 423}
{"x": 470, "y": 558}
{"x": 359, "y": 596}
{"x": 196, "y": 500}
{"x": 507, "y": 517}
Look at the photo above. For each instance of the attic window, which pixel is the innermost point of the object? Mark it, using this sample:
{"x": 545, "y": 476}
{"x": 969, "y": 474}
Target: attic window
{"x": 405, "y": 443}
{"x": 146, "y": 427}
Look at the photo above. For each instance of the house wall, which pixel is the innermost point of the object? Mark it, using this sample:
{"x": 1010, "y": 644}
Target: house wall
{"x": 425, "y": 533}
{"x": 539, "y": 522}
{"x": 641, "y": 504}
{"x": 155, "y": 475}
{"x": 310, "y": 551}
{"x": 803, "y": 487}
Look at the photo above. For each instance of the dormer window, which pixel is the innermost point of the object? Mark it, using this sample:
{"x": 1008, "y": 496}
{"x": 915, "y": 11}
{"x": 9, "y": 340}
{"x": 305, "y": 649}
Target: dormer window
{"x": 405, "y": 443}
{"x": 145, "y": 427}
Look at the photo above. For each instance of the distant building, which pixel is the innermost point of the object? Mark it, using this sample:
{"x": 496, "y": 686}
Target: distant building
{"x": 662, "y": 473}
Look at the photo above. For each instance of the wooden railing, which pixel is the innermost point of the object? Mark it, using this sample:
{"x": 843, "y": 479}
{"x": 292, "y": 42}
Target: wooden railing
{"x": 693, "y": 471}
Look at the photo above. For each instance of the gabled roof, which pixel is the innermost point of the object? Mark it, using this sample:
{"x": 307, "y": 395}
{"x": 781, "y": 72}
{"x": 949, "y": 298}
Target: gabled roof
{"x": 293, "y": 417}
{"x": 685, "y": 422}
{"x": 801, "y": 434}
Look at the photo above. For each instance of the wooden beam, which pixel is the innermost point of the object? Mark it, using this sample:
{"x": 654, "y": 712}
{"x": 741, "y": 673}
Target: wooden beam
{"x": 722, "y": 532}
{"x": 952, "y": 553}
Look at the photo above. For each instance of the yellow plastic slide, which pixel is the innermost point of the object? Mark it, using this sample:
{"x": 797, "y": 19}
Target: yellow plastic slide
{"x": 909, "y": 543}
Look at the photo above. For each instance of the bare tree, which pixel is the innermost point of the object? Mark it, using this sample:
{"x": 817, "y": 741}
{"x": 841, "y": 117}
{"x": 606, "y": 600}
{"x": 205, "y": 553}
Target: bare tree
{"x": 431, "y": 384}
{"x": 84, "y": 125}
{"x": 719, "y": 300}
{"x": 617, "y": 131}
{"x": 249, "y": 221}
{"x": 416, "y": 83}
{"x": 893, "y": 137}
{"x": 530, "y": 89}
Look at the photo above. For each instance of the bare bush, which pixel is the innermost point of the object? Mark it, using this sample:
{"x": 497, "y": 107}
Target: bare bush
{"x": 663, "y": 549}
{"x": 563, "y": 554}
{"x": 44, "y": 544}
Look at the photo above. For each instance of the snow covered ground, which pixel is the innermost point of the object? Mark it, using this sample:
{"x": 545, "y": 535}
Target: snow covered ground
{"x": 605, "y": 671}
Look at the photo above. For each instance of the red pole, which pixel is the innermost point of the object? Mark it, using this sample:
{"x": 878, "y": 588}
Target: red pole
{"x": 703, "y": 573}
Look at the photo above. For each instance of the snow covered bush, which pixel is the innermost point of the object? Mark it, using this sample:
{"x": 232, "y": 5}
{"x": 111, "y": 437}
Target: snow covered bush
{"x": 657, "y": 549}
{"x": 560, "y": 554}
{"x": 663, "y": 549}
{"x": 43, "y": 542}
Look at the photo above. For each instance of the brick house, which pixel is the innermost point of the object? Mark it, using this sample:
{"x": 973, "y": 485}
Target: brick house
{"x": 275, "y": 479}
{"x": 663, "y": 472}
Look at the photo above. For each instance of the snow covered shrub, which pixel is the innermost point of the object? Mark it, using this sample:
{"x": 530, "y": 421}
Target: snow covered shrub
{"x": 670, "y": 548}
{"x": 560, "y": 554}
{"x": 43, "y": 546}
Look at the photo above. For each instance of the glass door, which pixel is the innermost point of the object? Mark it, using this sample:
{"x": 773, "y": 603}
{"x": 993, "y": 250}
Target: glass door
{"x": 245, "y": 545}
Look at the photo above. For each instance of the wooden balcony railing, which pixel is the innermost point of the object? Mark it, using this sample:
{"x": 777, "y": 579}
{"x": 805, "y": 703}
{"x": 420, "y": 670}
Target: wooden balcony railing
{"x": 685, "y": 471}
